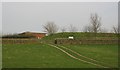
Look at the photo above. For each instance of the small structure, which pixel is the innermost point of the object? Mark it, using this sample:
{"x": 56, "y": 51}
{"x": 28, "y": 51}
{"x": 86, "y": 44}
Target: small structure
{"x": 70, "y": 37}
{"x": 35, "y": 34}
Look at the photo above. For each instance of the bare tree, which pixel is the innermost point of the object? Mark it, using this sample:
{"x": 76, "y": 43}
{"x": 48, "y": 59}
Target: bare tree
{"x": 115, "y": 29}
{"x": 95, "y": 23}
{"x": 50, "y": 28}
{"x": 72, "y": 28}
{"x": 63, "y": 29}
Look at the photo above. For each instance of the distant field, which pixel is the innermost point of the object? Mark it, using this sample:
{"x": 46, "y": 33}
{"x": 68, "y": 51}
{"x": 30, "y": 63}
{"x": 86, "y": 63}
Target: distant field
{"x": 80, "y": 36}
{"x": 45, "y": 56}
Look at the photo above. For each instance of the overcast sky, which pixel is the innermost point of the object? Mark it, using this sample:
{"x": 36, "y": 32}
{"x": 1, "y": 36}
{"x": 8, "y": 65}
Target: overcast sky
{"x": 30, "y": 16}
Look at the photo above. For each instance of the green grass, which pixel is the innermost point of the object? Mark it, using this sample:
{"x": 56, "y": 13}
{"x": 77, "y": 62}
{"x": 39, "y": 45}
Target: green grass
{"x": 44, "y": 56}
{"x": 107, "y": 54}
{"x": 38, "y": 56}
{"x": 80, "y": 35}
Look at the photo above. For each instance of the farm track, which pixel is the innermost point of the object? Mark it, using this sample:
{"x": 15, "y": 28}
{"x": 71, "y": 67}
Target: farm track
{"x": 84, "y": 57}
{"x": 78, "y": 56}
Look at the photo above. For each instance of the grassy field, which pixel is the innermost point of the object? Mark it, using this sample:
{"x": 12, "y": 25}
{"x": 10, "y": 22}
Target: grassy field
{"x": 105, "y": 54}
{"x": 79, "y": 35}
{"x": 45, "y": 56}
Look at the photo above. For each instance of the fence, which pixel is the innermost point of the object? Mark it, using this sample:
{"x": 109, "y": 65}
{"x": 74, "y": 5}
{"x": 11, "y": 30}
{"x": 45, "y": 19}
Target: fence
{"x": 86, "y": 41}
{"x": 19, "y": 41}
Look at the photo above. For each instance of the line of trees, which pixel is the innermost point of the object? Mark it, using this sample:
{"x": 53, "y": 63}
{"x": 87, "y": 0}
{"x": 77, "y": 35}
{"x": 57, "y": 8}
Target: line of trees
{"x": 94, "y": 26}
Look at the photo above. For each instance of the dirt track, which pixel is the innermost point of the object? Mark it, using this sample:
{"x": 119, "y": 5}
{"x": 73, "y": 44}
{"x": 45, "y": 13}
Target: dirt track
{"x": 74, "y": 57}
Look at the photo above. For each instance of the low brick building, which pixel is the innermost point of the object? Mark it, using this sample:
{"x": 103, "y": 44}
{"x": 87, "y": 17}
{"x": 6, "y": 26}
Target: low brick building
{"x": 35, "y": 34}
